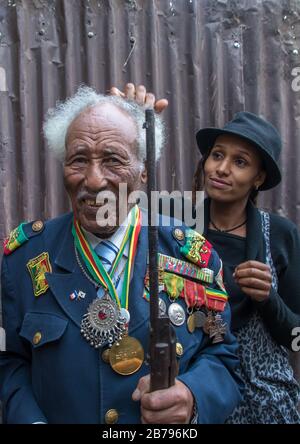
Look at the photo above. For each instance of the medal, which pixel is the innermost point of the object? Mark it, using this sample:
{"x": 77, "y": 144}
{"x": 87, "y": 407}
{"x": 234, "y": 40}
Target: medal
{"x": 215, "y": 327}
{"x": 218, "y": 329}
{"x": 126, "y": 357}
{"x": 191, "y": 323}
{"x": 176, "y": 314}
{"x": 162, "y": 307}
{"x": 107, "y": 318}
{"x": 125, "y": 315}
{"x": 200, "y": 318}
{"x": 103, "y": 322}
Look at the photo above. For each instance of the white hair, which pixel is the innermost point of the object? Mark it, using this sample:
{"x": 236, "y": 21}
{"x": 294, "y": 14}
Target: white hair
{"x": 59, "y": 119}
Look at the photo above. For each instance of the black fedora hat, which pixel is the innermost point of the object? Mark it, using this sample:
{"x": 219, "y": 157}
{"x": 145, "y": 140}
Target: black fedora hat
{"x": 259, "y": 133}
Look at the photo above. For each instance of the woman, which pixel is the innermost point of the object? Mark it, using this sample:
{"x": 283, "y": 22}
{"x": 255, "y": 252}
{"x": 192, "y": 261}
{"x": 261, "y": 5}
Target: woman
{"x": 261, "y": 257}
{"x": 260, "y": 252}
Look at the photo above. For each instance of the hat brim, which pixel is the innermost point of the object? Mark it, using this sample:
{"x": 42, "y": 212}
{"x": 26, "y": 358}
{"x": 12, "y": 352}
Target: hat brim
{"x": 206, "y": 138}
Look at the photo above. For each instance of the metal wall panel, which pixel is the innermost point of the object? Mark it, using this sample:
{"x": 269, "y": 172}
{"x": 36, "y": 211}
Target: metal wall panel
{"x": 210, "y": 58}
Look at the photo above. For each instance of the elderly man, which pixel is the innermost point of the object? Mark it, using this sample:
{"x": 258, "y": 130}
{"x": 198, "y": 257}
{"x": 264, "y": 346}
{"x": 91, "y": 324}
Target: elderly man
{"x": 75, "y": 298}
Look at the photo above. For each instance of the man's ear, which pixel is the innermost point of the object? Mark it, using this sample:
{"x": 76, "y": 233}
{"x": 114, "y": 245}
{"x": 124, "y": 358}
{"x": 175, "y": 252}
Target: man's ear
{"x": 144, "y": 175}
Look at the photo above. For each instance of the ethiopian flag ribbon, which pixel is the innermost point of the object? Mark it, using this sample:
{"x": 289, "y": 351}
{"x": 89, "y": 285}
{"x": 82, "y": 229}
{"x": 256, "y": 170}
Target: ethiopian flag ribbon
{"x": 94, "y": 264}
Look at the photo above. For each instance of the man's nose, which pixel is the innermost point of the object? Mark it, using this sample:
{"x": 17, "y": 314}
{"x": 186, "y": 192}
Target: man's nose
{"x": 95, "y": 179}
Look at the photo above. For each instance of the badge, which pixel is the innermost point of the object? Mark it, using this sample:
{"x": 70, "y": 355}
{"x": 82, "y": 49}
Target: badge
{"x": 176, "y": 314}
{"x": 77, "y": 295}
{"x": 16, "y": 238}
{"x": 127, "y": 356}
{"x": 37, "y": 268}
{"x": 103, "y": 323}
{"x": 197, "y": 249}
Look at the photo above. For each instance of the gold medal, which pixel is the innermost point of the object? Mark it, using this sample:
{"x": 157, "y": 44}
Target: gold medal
{"x": 191, "y": 323}
{"x": 127, "y": 357}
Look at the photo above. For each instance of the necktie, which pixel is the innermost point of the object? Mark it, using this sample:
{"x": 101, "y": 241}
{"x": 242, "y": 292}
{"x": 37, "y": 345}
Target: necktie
{"x": 107, "y": 252}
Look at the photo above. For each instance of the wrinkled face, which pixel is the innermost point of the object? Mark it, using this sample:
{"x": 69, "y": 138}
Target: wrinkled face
{"x": 232, "y": 170}
{"x": 101, "y": 154}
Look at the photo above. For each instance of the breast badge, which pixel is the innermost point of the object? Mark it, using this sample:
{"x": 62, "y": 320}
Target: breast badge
{"x": 37, "y": 268}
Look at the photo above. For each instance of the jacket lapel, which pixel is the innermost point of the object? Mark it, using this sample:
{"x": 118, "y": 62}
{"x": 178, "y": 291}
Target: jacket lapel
{"x": 63, "y": 284}
{"x": 138, "y": 306}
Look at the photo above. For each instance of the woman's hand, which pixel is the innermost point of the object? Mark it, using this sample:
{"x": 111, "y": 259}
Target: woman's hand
{"x": 141, "y": 96}
{"x": 169, "y": 406}
{"x": 255, "y": 279}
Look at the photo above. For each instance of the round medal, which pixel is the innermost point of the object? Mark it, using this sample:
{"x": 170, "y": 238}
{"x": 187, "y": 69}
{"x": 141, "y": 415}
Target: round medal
{"x": 103, "y": 322}
{"x": 200, "y": 318}
{"x": 162, "y": 307}
{"x": 191, "y": 323}
{"x": 176, "y": 314}
{"x": 127, "y": 357}
{"x": 125, "y": 315}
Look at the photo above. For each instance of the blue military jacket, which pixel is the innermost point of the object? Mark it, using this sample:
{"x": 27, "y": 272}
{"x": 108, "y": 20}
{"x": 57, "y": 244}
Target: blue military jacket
{"x": 50, "y": 373}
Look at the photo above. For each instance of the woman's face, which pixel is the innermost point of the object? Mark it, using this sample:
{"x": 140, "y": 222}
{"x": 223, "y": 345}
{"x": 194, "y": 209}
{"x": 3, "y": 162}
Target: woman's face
{"x": 232, "y": 170}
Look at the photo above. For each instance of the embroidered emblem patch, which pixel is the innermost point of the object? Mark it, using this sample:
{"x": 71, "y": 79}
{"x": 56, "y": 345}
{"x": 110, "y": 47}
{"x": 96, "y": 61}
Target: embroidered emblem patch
{"x": 37, "y": 268}
{"x": 197, "y": 249}
{"x": 16, "y": 238}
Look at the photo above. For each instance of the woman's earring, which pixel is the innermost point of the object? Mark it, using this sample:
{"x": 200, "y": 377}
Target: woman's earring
{"x": 256, "y": 187}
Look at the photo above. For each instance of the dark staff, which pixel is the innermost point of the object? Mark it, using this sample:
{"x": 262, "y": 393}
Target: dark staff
{"x": 163, "y": 365}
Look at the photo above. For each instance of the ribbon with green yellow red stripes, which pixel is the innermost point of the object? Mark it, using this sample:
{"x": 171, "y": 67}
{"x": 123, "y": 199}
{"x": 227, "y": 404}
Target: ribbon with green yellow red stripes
{"x": 94, "y": 264}
{"x": 195, "y": 294}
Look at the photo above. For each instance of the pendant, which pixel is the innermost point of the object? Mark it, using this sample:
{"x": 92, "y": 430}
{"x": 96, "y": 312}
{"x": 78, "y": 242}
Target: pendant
{"x": 103, "y": 323}
{"x": 176, "y": 314}
{"x": 126, "y": 357}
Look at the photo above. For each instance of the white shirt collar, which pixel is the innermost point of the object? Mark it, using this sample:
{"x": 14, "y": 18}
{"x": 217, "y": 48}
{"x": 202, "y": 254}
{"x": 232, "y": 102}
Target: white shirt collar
{"x": 116, "y": 238}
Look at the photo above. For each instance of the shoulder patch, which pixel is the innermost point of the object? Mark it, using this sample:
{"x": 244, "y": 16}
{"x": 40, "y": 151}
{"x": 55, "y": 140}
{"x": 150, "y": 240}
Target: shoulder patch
{"x": 197, "y": 249}
{"x": 22, "y": 234}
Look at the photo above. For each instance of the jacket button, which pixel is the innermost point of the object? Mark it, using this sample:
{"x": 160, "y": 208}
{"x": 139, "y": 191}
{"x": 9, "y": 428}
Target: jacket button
{"x": 111, "y": 416}
{"x": 105, "y": 356}
{"x": 178, "y": 234}
{"x": 37, "y": 338}
{"x": 179, "y": 349}
{"x": 37, "y": 225}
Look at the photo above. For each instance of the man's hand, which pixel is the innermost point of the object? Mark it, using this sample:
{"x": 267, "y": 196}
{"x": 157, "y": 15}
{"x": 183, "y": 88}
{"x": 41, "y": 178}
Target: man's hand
{"x": 255, "y": 279}
{"x": 169, "y": 406}
{"x": 141, "y": 96}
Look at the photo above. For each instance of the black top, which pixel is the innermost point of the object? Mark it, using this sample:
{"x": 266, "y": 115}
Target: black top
{"x": 281, "y": 311}
{"x": 232, "y": 250}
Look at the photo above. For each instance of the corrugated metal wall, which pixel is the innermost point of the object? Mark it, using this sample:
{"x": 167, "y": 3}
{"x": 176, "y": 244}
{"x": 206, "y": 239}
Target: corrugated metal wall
{"x": 210, "y": 58}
